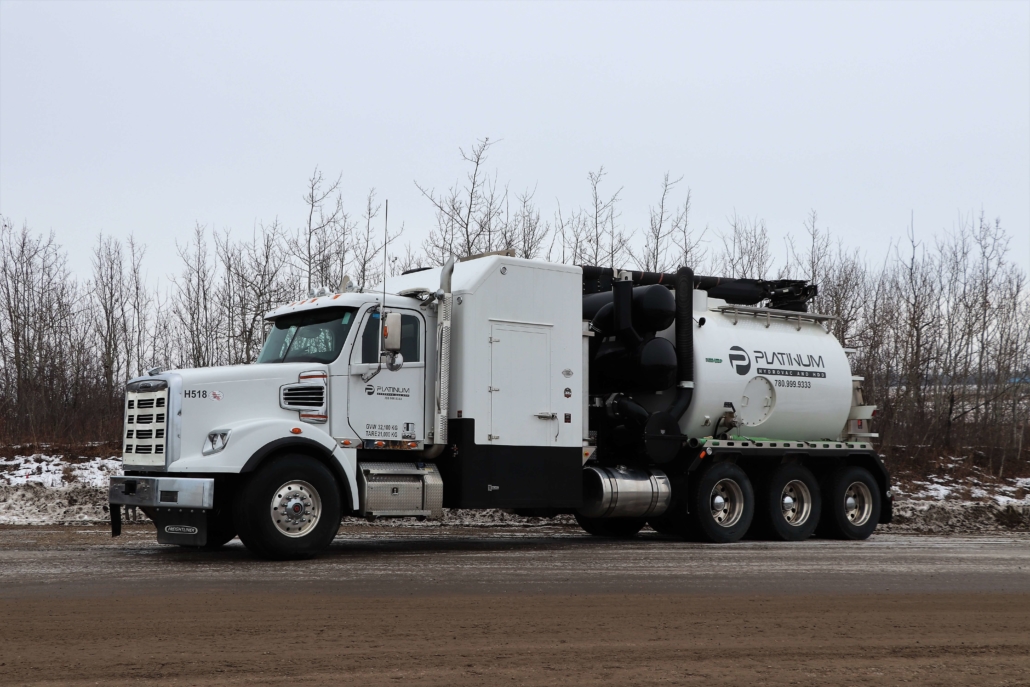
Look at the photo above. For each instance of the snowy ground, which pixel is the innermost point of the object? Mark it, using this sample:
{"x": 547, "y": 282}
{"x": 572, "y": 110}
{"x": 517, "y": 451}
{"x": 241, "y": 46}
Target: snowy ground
{"x": 50, "y": 490}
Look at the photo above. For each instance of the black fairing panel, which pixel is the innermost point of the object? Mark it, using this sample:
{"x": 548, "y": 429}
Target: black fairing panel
{"x": 508, "y": 476}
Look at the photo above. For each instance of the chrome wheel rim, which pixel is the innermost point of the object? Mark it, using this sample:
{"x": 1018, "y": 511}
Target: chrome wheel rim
{"x": 796, "y": 503}
{"x": 727, "y": 503}
{"x": 296, "y": 508}
{"x": 858, "y": 503}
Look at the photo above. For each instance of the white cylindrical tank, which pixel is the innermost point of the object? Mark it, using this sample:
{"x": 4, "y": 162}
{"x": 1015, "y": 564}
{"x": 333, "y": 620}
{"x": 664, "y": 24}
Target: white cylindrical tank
{"x": 784, "y": 382}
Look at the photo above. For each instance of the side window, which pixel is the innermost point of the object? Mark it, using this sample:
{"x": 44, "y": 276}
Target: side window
{"x": 370, "y": 340}
{"x": 411, "y": 339}
{"x": 411, "y": 347}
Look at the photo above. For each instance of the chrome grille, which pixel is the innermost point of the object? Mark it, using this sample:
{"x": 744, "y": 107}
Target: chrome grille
{"x": 145, "y": 429}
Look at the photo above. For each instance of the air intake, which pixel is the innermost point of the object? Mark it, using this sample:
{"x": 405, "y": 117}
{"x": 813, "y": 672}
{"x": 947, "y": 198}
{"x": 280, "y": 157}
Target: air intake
{"x": 307, "y": 397}
{"x": 303, "y": 396}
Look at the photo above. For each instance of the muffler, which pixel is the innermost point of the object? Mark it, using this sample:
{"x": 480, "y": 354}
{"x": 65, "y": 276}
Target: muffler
{"x": 622, "y": 492}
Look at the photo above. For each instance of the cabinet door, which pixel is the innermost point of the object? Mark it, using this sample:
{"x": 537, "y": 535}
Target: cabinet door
{"x": 391, "y": 405}
{"x": 520, "y": 396}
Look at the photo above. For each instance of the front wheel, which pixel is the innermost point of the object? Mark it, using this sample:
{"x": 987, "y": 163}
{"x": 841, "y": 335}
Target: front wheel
{"x": 289, "y": 509}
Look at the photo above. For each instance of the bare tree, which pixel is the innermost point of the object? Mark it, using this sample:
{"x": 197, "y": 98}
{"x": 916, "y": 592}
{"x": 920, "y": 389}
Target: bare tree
{"x": 410, "y": 259}
{"x": 321, "y": 244}
{"x": 525, "y": 233}
{"x": 369, "y": 246}
{"x": 108, "y": 301}
{"x": 745, "y": 251}
{"x": 660, "y": 233}
{"x": 690, "y": 251}
{"x": 193, "y": 303}
{"x": 466, "y": 216}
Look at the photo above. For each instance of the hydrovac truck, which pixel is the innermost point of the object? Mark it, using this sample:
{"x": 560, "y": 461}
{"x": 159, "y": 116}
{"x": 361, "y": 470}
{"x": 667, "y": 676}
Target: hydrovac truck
{"x": 707, "y": 408}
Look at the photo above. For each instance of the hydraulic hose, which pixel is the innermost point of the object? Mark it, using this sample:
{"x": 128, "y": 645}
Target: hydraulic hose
{"x": 684, "y": 342}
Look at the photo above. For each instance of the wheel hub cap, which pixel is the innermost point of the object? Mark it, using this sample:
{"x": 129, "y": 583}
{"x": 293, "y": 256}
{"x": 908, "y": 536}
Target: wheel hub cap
{"x": 727, "y": 503}
{"x": 858, "y": 503}
{"x": 796, "y": 503}
{"x": 296, "y": 508}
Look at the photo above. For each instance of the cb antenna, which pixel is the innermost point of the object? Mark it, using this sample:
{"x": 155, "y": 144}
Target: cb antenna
{"x": 382, "y": 308}
{"x": 386, "y": 237}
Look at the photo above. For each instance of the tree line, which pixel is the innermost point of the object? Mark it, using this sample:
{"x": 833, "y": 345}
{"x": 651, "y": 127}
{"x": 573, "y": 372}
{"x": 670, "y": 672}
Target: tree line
{"x": 940, "y": 329}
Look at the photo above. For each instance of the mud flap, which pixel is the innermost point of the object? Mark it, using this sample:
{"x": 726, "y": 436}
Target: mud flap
{"x": 182, "y": 526}
{"x": 887, "y": 510}
{"x": 116, "y": 519}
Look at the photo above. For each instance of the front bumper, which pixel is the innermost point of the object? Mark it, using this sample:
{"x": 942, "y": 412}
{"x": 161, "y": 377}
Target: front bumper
{"x": 174, "y": 492}
{"x": 179, "y": 506}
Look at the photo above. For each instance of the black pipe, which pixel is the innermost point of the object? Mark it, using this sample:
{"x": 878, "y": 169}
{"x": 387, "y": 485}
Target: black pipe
{"x": 624, "y": 408}
{"x": 785, "y": 294}
{"x": 684, "y": 342}
{"x": 622, "y": 303}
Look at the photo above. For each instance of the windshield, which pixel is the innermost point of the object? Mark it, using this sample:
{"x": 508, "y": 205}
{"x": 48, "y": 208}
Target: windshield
{"x": 310, "y": 337}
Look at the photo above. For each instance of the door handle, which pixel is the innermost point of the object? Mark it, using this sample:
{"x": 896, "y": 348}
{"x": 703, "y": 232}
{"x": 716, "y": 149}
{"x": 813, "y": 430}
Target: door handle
{"x": 547, "y": 416}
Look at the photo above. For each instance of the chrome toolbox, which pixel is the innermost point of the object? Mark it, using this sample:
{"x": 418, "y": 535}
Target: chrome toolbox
{"x": 400, "y": 490}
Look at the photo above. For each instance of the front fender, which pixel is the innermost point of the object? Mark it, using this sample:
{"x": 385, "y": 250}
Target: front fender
{"x": 250, "y": 442}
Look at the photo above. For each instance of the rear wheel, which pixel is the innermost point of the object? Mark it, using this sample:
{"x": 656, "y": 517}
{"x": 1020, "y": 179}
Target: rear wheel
{"x": 851, "y": 504}
{"x": 616, "y": 528}
{"x": 720, "y": 504}
{"x": 289, "y": 509}
{"x": 788, "y": 504}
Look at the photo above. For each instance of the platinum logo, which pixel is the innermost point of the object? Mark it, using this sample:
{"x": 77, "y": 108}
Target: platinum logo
{"x": 180, "y": 529}
{"x": 740, "y": 360}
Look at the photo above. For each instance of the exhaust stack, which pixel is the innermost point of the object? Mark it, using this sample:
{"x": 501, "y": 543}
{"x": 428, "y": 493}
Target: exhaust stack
{"x": 443, "y": 385}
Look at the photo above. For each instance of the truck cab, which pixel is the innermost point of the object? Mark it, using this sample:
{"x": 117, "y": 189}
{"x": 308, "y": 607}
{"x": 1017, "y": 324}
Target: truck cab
{"x": 353, "y": 403}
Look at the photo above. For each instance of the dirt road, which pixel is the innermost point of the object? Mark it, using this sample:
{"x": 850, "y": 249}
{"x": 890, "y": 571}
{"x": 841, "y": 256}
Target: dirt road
{"x": 515, "y": 606}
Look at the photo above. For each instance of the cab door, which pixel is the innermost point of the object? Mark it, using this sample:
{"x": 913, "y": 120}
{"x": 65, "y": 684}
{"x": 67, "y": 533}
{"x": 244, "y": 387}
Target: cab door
{"x": 385, "y": 405}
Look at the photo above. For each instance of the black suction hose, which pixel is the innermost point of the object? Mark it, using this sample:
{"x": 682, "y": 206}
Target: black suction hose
{"x": 684, "y": 342}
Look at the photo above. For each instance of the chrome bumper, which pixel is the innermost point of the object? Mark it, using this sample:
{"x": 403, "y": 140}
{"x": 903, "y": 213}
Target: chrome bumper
{"x": 178, "y": 492}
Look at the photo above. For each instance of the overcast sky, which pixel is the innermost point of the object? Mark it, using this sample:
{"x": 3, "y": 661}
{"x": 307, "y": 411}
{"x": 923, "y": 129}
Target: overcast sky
{"x": 148, "y": 117}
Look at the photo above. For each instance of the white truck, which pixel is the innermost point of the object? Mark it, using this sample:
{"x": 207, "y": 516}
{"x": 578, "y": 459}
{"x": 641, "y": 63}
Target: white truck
{"x": 704, "y": 407}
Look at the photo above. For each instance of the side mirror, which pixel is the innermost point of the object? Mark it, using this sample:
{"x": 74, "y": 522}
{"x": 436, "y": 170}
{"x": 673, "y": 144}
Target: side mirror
{"x": 394, "y": 361}
{"x": 392, "y": 332}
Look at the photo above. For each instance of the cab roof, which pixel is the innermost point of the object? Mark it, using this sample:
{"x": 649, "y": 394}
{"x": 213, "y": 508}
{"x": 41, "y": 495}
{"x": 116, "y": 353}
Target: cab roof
{"x": 337, "y": 300}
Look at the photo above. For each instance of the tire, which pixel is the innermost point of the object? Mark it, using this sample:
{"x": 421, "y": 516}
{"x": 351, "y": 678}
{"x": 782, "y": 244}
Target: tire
{"x": 294, "y": 484}
{"x": 616, "y": 528}
{"x": 851, "y": 504}
{"x": 725, "y": 520}
{"x": 788, "y": 504}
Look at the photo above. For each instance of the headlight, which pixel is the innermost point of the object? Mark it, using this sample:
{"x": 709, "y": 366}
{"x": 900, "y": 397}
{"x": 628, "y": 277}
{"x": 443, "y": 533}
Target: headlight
{"x": 216, "y": 441}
